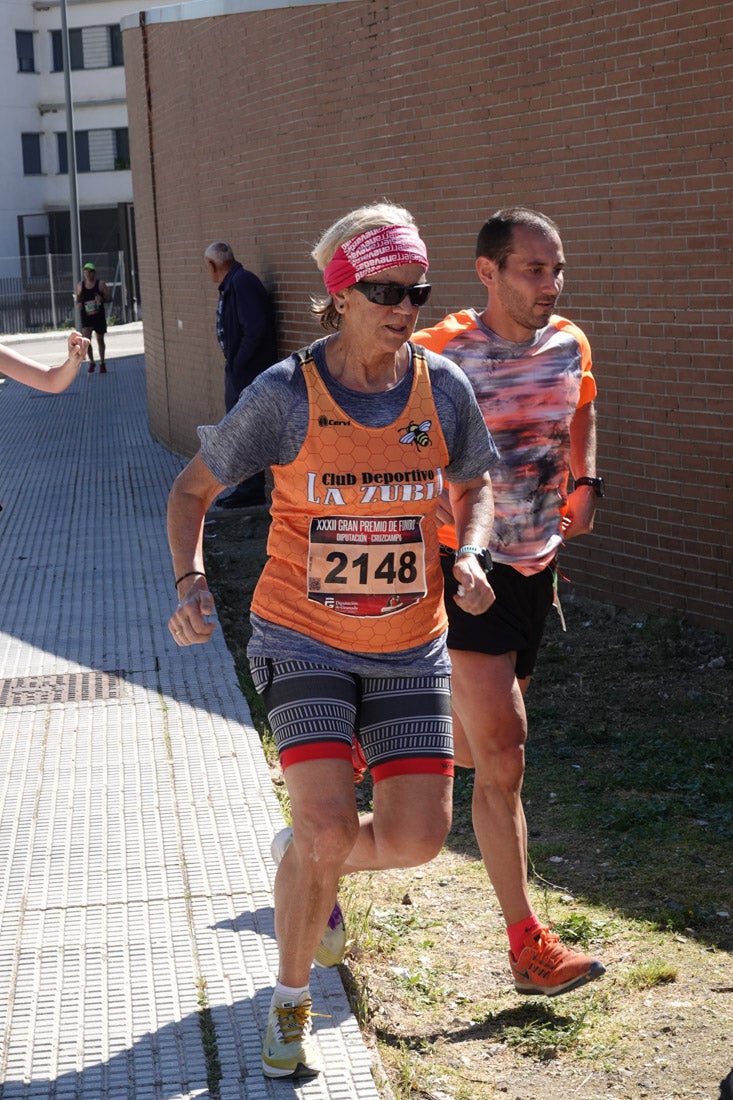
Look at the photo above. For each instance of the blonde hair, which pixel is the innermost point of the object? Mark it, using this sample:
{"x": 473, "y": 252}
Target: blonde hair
{"x": 373, "y": 216}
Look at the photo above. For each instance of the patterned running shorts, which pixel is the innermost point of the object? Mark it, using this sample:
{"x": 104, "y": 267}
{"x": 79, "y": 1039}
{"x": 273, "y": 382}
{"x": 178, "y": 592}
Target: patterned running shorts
{"x": 403, "y": 723}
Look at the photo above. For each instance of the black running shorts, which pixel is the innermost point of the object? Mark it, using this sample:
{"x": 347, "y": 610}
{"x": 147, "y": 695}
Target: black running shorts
{"x": 97, "y": 322}
{"x": 515, "y": 621}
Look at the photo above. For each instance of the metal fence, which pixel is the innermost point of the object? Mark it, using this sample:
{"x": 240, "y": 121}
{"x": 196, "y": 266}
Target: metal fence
{"x": 41, "y": 293}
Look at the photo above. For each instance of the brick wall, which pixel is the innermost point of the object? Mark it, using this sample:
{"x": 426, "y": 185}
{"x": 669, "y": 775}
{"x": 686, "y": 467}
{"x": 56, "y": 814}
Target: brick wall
{"x": 614, "y": 118}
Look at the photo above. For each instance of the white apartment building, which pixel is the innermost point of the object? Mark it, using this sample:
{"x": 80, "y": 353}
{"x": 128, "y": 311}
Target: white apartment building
{"x": 34, "y": 181}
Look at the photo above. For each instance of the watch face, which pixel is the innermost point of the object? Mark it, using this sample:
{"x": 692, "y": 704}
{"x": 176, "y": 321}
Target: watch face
{"x": 484, "y": 560}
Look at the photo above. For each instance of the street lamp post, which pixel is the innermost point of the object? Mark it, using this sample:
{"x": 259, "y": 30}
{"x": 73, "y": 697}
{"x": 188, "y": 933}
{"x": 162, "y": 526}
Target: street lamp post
{"x": 71, "y": 152}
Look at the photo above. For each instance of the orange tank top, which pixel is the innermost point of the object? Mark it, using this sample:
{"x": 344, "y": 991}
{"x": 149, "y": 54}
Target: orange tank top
{"x": 353, "y": 549}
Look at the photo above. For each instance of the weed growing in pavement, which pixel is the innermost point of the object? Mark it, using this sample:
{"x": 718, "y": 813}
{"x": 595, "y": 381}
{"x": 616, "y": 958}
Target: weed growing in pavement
{"x": 208, "y": 1040}
{"x": 356, "y": 985}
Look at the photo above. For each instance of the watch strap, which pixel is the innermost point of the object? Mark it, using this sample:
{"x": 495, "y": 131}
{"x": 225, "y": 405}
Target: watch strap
{"x": 480, "y": 552}
{"x": 596, "y": 484}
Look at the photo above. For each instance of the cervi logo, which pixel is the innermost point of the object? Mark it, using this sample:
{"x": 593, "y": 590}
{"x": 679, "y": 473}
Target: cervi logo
{"x": 327, "y": 422}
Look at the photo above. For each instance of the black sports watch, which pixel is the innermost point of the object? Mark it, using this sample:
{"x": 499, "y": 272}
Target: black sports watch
{"x": 596, "y": 484}
{"x": 480, "y": 552}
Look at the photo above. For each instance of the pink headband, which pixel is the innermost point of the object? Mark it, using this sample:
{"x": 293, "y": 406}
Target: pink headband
{"x": 373, "y": 251}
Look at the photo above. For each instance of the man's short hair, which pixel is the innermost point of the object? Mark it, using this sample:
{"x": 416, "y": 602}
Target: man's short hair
{"x": 220, "y": 253}
{"x": 495, "y": 236}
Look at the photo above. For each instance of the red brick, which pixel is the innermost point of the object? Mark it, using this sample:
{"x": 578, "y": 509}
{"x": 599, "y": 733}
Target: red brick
{"x": 267, "y": 125}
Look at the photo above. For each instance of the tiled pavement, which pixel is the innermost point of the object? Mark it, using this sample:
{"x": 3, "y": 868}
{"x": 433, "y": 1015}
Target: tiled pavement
{"x": 136, "y": 811}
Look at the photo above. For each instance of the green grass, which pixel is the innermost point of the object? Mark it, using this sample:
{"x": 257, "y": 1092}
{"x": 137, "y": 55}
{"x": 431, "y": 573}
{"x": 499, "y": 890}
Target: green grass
{"x": 628, "y": 771}
{"x": 580, "y": 930}
{"x": 651, "y": 972}
{"x": 547, "y": 1032}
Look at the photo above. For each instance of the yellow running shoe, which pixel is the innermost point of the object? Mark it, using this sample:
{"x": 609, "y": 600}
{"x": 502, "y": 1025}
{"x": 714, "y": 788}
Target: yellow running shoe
{"x": 289, "y": 1050}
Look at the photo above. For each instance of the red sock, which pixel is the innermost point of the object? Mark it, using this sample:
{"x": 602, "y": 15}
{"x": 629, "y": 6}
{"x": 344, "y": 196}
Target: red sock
{"x": 518, "y": 933}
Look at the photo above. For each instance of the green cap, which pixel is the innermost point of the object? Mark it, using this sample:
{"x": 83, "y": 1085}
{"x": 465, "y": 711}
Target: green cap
{"x": 89, "y": 267}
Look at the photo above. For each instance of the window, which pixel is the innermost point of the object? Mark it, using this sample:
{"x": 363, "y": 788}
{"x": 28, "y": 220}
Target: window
{"x": 76, "y": 50}
{"x": 24, "y": 51}
{"x": 31, "y": 154}
{"x": 96, "y": 151}
{"x": 81, "y": 145}
{"x": 89, "y": 47}
{"x": 122, "y": 149}
{"x": 37, "y": 246}
{"x": 115, "y": 44}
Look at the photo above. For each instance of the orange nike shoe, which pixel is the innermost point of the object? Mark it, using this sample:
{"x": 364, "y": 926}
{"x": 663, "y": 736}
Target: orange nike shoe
{"x": 546, "y": 967}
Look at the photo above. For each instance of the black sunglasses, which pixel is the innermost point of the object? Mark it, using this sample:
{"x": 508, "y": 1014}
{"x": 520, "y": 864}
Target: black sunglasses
{"x": 391, "y": 294}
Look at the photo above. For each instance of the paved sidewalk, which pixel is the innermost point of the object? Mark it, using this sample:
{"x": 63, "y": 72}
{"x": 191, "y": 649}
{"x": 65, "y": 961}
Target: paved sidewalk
{"x": 136, "y": 811}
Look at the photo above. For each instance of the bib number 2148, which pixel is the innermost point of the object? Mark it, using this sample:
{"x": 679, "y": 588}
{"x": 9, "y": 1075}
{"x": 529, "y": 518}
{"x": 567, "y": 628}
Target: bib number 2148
{"x": 366, "y": 567}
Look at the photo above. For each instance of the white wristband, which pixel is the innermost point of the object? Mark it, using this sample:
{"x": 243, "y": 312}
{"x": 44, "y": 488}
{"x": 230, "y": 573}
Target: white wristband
{"x": 470, "y": 550}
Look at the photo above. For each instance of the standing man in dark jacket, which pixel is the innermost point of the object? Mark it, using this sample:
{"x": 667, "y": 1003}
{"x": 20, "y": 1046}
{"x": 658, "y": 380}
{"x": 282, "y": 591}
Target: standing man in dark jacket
{"x": 245, "y": 330}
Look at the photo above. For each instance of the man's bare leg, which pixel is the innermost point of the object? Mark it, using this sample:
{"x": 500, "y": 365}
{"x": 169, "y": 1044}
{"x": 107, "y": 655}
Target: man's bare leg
{"x": 490, "y": 730}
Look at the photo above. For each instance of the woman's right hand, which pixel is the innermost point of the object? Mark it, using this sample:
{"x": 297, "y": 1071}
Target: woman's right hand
{"x": 189, "y": 623}
{"x": 78, "y": 346}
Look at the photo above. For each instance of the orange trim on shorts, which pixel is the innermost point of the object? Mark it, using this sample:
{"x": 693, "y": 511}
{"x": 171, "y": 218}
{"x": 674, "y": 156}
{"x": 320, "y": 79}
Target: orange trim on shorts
{"x": 318, "y": 750}
{"x": 413, "y": 765}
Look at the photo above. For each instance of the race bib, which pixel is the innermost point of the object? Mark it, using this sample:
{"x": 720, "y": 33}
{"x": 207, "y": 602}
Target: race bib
{"x": 359, "y": 566}
{"x": 91, "y": 307}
